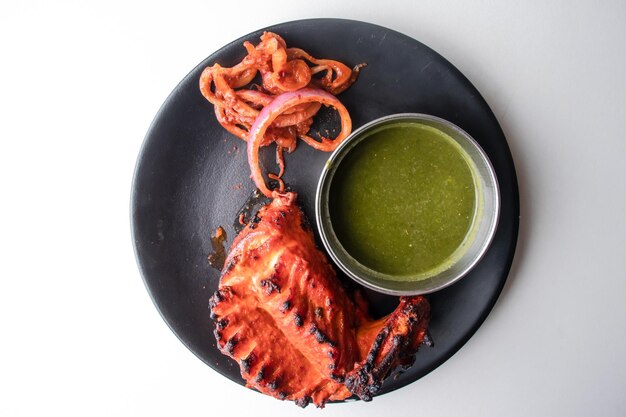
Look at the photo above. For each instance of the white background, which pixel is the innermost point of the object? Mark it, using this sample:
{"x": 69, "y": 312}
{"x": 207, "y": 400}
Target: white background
{"x": 79, "y": 85}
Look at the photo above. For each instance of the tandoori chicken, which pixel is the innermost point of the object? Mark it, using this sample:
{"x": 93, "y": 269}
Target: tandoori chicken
{"x": 296, "y": 331}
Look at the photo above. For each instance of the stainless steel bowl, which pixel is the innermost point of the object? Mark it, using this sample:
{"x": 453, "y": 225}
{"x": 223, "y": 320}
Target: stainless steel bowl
{"x": 486, "y": 216}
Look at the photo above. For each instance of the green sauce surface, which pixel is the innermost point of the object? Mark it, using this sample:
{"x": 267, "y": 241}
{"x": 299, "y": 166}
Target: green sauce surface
{"x": 402, "y": 201}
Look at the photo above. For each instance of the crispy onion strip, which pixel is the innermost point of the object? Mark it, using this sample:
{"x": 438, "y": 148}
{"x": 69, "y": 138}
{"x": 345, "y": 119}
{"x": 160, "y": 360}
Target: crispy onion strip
{"x": 338, "y": 76}
{"x": 278, "y": 106}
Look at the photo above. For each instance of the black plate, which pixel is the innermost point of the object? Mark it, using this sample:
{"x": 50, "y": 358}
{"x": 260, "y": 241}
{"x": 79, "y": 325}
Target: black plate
{"x": 192, "y": 176}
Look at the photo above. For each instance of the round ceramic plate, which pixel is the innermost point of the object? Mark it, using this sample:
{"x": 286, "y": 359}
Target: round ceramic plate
{"x": 192, "y": 176}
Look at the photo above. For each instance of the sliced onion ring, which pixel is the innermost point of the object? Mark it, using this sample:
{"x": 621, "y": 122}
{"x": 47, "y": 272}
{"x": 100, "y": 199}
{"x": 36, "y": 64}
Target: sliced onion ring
{"x": 280, "y": 104}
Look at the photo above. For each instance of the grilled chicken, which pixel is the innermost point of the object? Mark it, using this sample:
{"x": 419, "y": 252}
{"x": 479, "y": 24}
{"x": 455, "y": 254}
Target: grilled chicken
{"x": 295, "y": 331}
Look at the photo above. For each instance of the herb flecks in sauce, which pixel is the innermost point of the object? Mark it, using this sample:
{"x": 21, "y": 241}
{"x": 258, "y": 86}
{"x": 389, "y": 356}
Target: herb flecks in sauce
{"x": 403, "y": 200}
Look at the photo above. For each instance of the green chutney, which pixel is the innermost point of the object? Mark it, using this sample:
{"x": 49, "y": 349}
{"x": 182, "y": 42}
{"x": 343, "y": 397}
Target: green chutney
{"x": 402, "y": 201}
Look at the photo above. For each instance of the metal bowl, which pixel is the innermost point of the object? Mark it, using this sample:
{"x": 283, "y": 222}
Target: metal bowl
{"x": 479, "y": 237}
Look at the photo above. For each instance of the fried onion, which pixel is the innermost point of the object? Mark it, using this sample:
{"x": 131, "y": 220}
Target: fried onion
{"x": 239, "y": 103}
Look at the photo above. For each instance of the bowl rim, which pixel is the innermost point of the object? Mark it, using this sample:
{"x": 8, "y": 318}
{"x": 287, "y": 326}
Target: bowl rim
{"x": 321, "y": 186}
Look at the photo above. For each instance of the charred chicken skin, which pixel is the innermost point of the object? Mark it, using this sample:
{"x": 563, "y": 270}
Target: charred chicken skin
{"x": 295, "y": 331}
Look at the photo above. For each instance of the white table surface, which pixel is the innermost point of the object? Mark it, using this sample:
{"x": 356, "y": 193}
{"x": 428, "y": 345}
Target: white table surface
{"x": 79, "y": 85}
